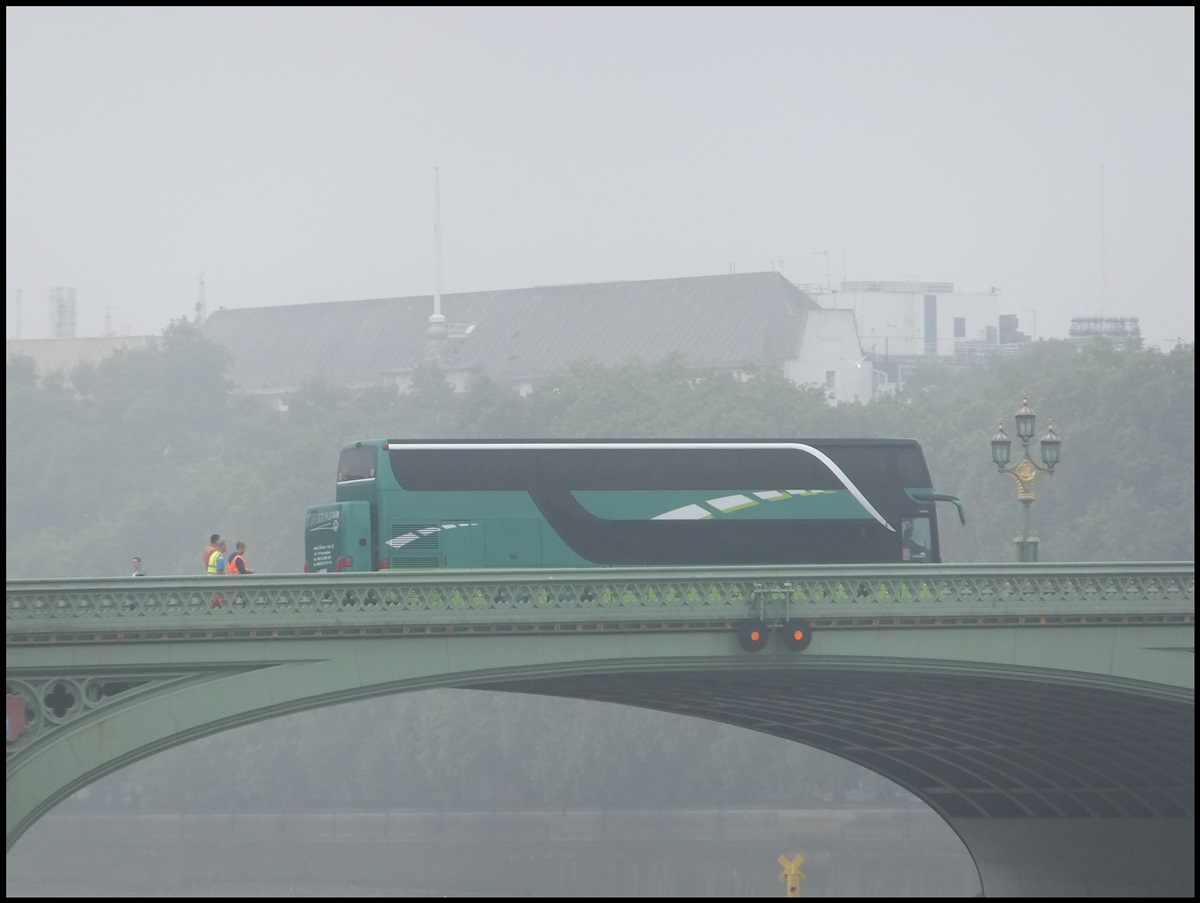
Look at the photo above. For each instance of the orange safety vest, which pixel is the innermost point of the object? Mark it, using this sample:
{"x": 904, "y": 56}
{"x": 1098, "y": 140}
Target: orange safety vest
{"x": 231, "y": 567}
{"x": 207, "y": 555}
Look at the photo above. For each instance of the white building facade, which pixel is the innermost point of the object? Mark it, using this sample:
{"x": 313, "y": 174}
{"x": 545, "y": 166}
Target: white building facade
{"x": 902, "y": 323}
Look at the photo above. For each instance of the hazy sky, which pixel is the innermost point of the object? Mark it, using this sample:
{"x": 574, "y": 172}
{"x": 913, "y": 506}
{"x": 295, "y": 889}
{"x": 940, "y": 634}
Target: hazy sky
{"x": 288, "y": 155}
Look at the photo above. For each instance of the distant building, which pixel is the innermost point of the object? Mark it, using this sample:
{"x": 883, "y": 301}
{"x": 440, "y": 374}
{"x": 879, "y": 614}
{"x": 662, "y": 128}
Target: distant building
{"x": 63, "y": 355}
{"x": 902, "y": 323}
{"x": 62, "y": 312}
{"x": 737, "y": 323}
{"x": 856, "y": 341}
{"x": 1123, "y": 332}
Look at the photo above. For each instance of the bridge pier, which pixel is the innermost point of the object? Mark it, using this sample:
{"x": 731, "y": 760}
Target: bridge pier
{"x": 1082, "y": 857}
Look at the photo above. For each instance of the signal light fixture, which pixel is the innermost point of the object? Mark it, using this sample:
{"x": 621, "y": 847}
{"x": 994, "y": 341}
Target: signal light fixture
{"x": 752, "y": 635}
{"x": 796, "y": 634}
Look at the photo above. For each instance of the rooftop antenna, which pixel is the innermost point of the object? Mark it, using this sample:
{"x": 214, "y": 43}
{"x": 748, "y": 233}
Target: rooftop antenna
{"x": 201, "y": 305}
{"x": 828, "y": 281}
{"x": 1103, "y": 253}
{"x": 437, "y": 330}
{"x": 108, "y": 330}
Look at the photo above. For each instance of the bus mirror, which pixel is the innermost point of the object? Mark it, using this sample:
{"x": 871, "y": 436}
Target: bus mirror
{"x": 940, "y": 497}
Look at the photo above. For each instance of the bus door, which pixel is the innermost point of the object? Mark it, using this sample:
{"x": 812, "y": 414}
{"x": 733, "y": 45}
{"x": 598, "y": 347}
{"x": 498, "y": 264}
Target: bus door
{"x": 916, "y": 537}
{"x": 919, "y": 533}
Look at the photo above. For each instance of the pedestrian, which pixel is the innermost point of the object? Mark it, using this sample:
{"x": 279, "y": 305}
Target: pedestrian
{"x": 212, "y": 547}
{"x": 216, "y": 561}
{"x": 237, "y": 564}
{"x": 137, "y": 567}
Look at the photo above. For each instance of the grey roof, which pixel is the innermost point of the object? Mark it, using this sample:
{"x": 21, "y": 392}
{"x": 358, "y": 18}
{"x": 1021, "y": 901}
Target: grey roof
{"x": 63, "y": 355}
{"x": 714, "y": 322}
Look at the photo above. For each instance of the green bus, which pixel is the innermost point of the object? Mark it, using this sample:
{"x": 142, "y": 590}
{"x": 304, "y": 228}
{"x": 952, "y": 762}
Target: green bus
{"x": 420, "y": 504}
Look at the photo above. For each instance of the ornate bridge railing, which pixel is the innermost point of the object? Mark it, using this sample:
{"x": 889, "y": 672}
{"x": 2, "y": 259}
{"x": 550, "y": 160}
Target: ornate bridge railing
{"x": 197, "y": 608}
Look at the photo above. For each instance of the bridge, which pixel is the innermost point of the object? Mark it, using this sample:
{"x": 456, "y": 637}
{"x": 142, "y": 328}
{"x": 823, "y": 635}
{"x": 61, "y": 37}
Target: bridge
{"x": 1046, "y": 712}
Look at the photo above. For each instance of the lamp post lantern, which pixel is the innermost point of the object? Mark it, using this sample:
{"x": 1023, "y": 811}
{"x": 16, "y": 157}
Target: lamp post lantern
{"x": 1026, "y": 471}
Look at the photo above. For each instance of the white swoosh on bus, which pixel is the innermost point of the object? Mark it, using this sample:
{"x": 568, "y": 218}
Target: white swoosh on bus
{"x": 399, "y": 542}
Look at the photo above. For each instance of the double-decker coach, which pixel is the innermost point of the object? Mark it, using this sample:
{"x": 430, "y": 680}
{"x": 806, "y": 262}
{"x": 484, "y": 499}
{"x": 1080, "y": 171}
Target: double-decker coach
{"x": 419, "y": 504}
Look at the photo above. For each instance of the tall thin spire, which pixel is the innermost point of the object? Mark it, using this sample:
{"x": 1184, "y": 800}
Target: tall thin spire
{"x": 437, "y": 331}
{"x": 1103, "y": 250}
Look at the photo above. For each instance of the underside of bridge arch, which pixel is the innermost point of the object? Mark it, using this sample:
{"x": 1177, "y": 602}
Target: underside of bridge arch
{"x": 1056, "y": 789}
{"x": 1059, "y": 783}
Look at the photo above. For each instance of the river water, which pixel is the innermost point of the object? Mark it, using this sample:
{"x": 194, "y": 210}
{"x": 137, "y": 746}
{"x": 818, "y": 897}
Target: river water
{"x": 574, "y": 853}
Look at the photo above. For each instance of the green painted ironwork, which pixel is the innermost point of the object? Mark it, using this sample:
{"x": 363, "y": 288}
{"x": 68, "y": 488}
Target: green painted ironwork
{"x": 852, "y": 596}
{"x": 110, "y": 670}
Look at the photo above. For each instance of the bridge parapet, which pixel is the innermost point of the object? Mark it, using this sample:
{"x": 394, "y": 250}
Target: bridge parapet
{"x": 640, "y": 598}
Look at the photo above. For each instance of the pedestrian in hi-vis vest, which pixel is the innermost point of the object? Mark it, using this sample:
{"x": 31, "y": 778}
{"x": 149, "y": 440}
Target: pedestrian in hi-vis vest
{"x": 216, "y": 565}
{"x": 216, "y": 560}
{"x": 212, "y": 547}
{"x": 237, "y": 564}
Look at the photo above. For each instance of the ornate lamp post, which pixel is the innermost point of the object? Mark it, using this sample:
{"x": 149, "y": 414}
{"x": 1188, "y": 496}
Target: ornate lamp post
{"x": 1026, "y": 471}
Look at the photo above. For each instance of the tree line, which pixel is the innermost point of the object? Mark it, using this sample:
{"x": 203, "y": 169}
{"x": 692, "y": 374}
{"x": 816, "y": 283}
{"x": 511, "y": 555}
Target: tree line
{"x": 150, "y": 450}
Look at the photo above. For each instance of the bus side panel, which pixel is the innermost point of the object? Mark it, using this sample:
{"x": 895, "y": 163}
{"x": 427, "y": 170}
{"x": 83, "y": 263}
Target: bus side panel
{"x": 337, "y": 537}
{"x": 513, "y": 543}
{"x": 459, "y": 545}
{"x": 451, "y": 529}
{"x": 702, "y": 543}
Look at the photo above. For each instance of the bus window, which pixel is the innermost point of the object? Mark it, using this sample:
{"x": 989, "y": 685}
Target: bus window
{"x": 917, "y": 539}
{"x": 357, "y": 463}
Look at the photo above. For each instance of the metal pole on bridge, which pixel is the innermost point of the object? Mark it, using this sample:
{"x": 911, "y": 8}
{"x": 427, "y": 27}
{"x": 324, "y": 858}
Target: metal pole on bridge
{"x": 1026, "y": 471}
